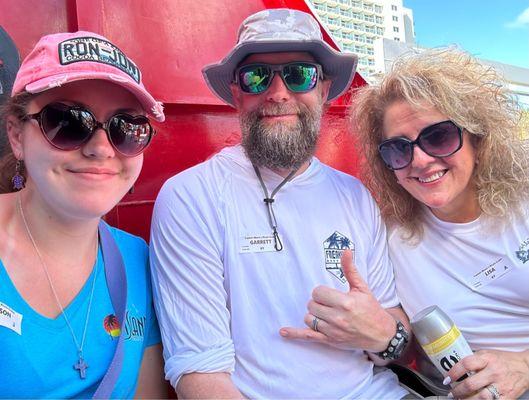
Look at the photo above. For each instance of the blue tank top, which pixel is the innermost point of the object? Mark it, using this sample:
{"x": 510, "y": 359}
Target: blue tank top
{"x": 37, "y": 354}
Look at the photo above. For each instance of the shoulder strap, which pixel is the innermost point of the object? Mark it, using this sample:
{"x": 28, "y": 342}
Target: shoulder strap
{"x": 417, "y": 382}
{"x": 117, "y": 287}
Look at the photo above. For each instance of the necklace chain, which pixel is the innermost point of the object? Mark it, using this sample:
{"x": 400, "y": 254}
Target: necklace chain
{"x": 81, "y": 365}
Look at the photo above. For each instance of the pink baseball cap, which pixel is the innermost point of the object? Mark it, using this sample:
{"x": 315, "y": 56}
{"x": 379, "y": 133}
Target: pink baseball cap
{"x": 67, "y": 57}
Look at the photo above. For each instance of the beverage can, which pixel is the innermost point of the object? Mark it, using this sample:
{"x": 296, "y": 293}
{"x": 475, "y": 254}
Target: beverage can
{"x": 440, "y": 338}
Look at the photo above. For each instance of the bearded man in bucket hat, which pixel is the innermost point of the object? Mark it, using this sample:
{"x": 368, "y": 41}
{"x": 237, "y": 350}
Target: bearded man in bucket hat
{"x": 232, "y": 271}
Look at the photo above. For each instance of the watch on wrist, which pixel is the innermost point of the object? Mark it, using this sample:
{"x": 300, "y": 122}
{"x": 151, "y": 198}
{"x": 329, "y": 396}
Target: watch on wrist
{"x": 396, "y": 345}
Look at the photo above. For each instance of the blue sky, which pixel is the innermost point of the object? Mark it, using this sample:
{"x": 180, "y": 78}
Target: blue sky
{"x": 496, "y": 30}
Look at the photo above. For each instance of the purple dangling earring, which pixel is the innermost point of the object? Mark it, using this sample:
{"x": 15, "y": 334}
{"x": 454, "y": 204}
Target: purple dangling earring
{"x": 18, "y": 179}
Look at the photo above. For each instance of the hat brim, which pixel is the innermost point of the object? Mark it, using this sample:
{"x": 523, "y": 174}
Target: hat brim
{"x": 149, "y": 104}
{"x": 338, "y": 67}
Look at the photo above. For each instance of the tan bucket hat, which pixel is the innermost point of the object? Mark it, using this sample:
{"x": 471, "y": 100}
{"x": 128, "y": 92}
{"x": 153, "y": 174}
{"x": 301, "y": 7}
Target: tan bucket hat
{"x": 281, "y": 30}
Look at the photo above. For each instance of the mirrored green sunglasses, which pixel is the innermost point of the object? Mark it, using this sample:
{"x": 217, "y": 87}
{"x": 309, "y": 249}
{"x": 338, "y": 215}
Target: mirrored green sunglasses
{"x": 298, "y": 77}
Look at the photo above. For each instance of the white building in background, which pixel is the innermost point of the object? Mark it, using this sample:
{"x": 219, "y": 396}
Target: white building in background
{"x": 386, "y": 51}
{"x": 356, "y": 24}
{"x": 378, "y": 31}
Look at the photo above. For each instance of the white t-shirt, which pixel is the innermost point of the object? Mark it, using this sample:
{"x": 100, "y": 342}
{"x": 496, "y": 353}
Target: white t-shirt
{"x": 223, "y": 293}
{"x": 477, "y": 274}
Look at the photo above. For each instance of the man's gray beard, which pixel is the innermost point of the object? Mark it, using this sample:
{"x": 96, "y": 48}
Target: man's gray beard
{"x": 280, "y": 145}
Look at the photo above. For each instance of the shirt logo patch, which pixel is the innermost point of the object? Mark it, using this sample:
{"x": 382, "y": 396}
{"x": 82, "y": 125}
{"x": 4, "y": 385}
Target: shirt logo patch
{"x": 111, "y": 325}
{"x": 523, "y": 253}
{"x": 333, "y": 248}
{"x": 135, "y": 326}
{"x": 97, "y": 50}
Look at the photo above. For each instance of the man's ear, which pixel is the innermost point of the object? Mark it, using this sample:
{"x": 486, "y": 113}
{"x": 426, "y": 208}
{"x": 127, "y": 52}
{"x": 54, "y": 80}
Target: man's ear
{"x": 325, "y": 86}
{"x": 235, "y": 94}
{"x": 15, "y": 134}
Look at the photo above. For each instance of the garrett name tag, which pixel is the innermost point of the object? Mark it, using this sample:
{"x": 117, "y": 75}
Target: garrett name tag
{"x": 257, "y": 244}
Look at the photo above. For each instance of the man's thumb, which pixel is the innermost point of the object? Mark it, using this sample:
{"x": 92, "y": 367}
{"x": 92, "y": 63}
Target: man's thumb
{"x": 356, "y": 282}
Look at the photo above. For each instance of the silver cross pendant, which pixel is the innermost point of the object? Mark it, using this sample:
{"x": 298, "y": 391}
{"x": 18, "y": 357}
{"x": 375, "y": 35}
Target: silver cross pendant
{"x": 81, "y": 366}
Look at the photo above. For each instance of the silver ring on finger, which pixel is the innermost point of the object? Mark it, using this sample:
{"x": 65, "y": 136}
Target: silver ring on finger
{"x": 493, "y": 391}
{"x": 315, "y": 321}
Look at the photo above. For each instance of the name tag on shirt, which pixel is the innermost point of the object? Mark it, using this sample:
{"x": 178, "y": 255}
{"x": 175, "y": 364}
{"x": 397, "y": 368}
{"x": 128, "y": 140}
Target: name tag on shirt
{"x": 257, "y": 244}
{"x": 10, "y": 318}
{"x": 489, "y": 274}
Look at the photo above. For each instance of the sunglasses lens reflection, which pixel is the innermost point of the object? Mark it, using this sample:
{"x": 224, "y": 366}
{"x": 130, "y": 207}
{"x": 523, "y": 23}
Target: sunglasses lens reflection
{"x": 396, "y": 154}
{"x": 300, "y": 77}
{"x": 255, "y": 79}
{"x": 130, "y": 135}
{"x": 440, "y": 140}
{"x": 66, "y": 127}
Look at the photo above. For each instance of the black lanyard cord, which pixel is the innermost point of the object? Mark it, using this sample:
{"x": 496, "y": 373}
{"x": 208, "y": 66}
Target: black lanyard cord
{"x": 269, "y": 200}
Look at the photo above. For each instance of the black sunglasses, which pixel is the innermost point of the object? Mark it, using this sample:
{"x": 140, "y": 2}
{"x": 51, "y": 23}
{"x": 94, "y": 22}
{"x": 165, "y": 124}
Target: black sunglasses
{"x": 438, "y": 140}
{"x": 68, "y": 127}
{"x": 298, "y": 77}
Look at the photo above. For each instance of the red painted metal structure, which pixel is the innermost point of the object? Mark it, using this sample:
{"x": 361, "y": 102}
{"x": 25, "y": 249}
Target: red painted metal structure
{"x": 172, "y": 40}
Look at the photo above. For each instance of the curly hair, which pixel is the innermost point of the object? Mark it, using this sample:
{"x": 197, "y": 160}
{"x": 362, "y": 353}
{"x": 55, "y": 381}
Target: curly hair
{"x": 14, "y": 106}
{"x": 472, "y": 95}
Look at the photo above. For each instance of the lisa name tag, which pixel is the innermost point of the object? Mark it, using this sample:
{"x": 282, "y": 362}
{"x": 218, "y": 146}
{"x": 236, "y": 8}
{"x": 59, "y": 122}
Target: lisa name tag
{"x": 489, "y": 274}
{"x": 257, "y": 244}
{"x": 10, "y": 318}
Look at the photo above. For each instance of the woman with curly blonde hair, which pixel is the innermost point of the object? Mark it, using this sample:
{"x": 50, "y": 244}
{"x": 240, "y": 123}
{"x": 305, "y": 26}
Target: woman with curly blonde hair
{"x": 448, "y": 165}
{"x": 475, "y": 98}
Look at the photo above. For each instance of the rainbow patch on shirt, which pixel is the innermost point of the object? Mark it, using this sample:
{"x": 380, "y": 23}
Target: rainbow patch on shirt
{"x": 111, "y": 325}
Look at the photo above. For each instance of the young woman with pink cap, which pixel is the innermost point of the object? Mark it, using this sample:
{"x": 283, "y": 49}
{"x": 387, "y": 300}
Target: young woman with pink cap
{"x": 76, "y": 315}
